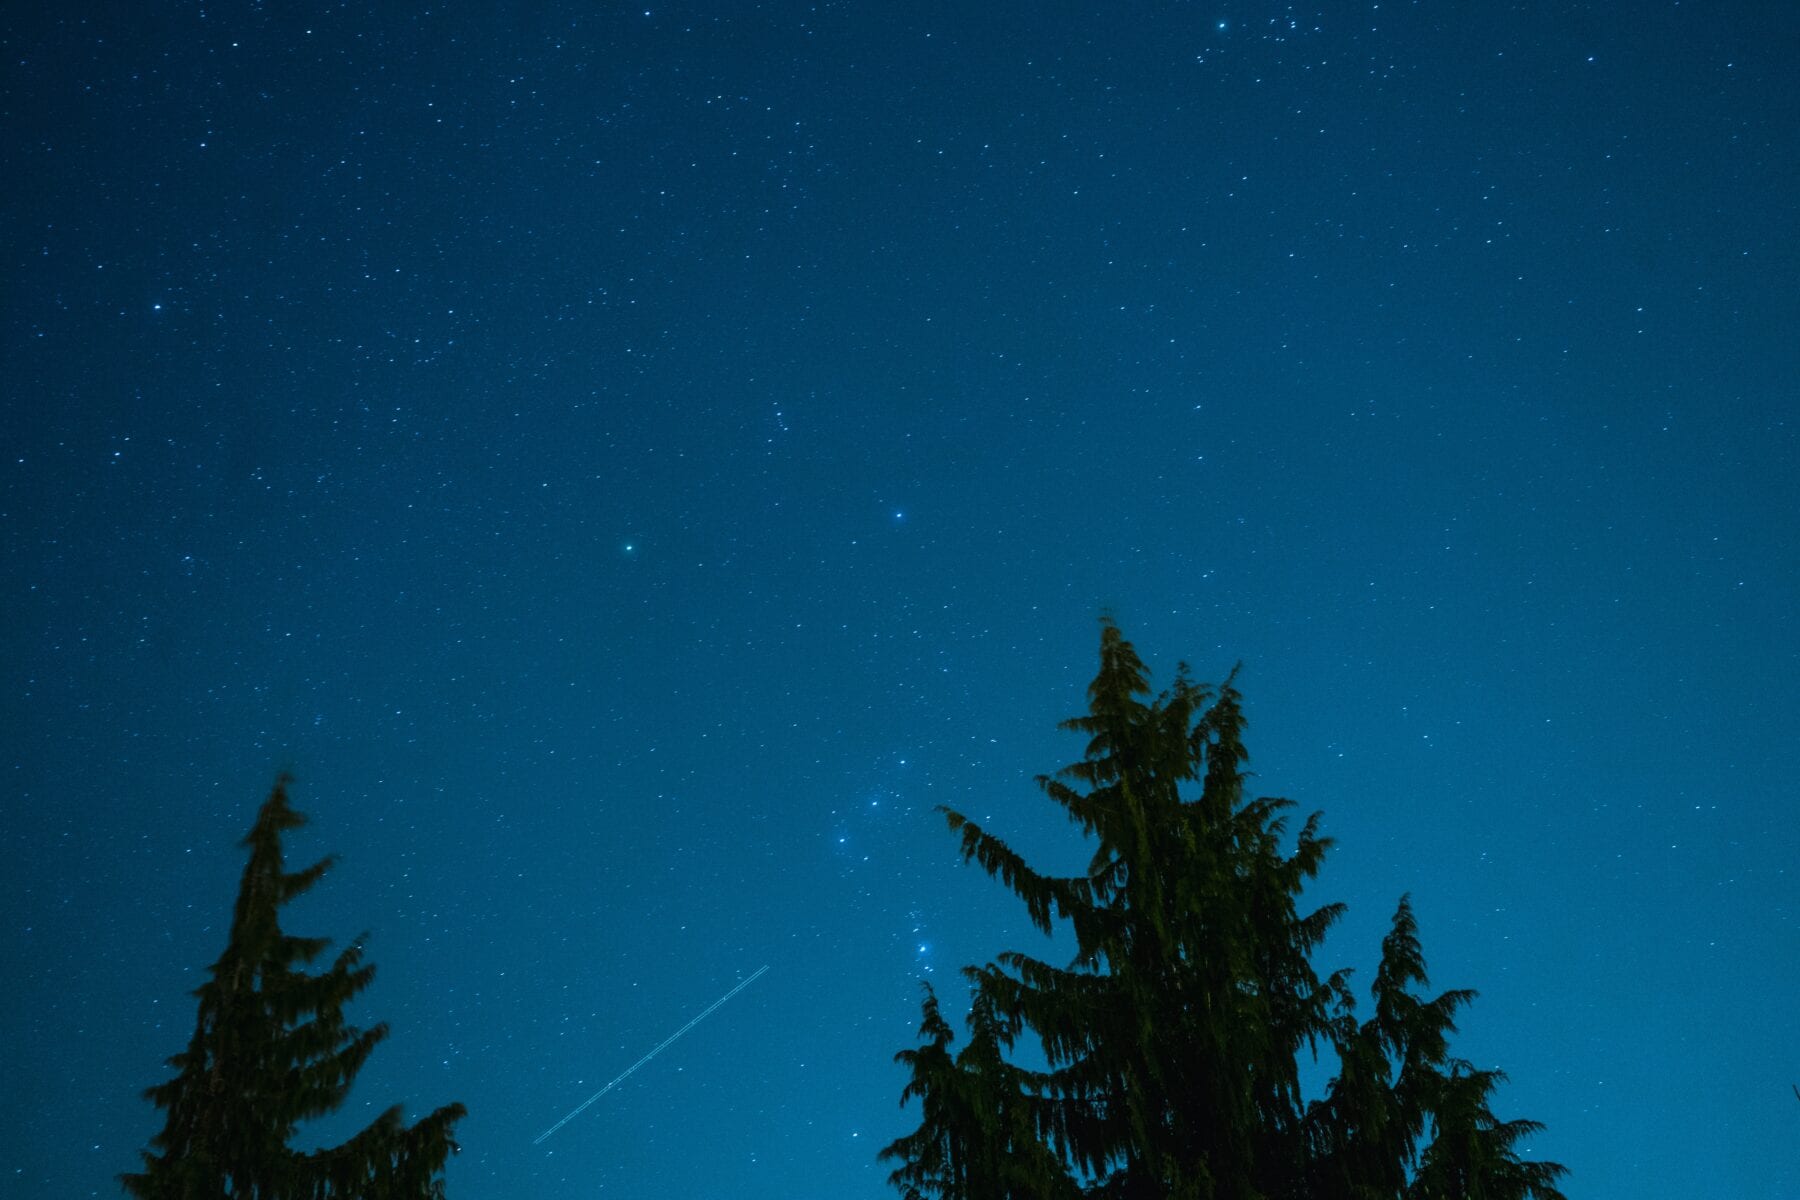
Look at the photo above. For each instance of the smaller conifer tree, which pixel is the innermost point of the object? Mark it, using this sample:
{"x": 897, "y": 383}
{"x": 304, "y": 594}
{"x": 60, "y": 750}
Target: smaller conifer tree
{"x": 270, "y": 1050}
{"x": 981, "y": 1136}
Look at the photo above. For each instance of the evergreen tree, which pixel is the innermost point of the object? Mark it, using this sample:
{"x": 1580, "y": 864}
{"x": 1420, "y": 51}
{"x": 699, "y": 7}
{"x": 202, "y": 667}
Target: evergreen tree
{"x": 271, "y": 1049}
{"x": 1474, "y": 1155}
{"x": 980, "y": 1133}
{"x": 1174, "y": 1037}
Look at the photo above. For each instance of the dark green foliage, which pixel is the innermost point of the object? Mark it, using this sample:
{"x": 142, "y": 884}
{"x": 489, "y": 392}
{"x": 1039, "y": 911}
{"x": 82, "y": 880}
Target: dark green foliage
{"x": 1474, "y": 1155}
{"x": 271, "y": 1049}
{"x": 1174, "y": 1038}
{"x": 981, "y": 1132}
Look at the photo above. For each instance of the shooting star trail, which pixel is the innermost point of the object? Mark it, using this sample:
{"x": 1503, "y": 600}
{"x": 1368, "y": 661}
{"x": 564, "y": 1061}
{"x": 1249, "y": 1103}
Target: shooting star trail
{"x": 660, "y": 1047}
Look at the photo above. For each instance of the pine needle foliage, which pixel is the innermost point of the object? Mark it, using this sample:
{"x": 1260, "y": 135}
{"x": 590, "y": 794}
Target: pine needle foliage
{"x": 1173, "y": 1040}
{"x": 271, "y": 1049}
{"x": 982, "y": 1126}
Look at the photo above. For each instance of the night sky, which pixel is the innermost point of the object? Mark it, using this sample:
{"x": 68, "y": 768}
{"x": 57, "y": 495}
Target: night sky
{"x": 631, "y": 464}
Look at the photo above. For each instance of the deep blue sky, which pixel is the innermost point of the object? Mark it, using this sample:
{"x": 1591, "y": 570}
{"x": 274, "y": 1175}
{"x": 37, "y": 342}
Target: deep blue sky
{"x": 632, "y": 463}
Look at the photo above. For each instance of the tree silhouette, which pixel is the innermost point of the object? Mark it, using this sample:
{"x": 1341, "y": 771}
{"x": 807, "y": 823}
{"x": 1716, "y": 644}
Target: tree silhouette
{"x": 980, "y": 1134}
{"x": 1174, "y": 1037}
{"x": 271, "y": 1049}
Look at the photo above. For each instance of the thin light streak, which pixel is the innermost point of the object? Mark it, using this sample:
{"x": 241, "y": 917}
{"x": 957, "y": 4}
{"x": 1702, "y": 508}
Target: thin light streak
{"x": 660, "y": 1047}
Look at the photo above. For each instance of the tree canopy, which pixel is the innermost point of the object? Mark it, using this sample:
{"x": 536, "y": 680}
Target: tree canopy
{"x": 271, "y": 1049}
{"x": 1173, "y": 1039}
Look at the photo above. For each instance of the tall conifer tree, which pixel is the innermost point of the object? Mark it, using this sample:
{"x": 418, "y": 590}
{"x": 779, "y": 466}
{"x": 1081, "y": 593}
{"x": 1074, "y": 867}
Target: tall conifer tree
{"x": 270, "y": 1050}
{"x": 1174, "y": 1037}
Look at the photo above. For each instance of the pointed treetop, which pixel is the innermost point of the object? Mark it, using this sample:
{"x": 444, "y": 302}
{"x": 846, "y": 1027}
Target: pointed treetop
{"x": 271, "y": 1049}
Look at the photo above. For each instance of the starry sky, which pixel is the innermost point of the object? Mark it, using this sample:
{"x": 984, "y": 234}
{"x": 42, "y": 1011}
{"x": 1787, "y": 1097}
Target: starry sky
{"x": 632, "y": 463}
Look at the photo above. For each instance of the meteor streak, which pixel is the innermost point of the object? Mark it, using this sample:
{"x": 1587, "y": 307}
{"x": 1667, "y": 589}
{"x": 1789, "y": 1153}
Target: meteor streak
{"x": 660, "y": 1047}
